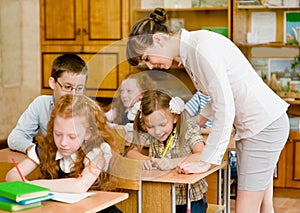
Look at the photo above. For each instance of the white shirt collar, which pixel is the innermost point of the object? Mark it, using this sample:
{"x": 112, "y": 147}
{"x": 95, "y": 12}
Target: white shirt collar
{"x": 66, "y": 162}
{"x": 183, "y": 42}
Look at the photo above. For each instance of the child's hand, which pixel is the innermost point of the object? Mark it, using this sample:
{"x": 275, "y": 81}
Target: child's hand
{"x": 148, "y": 164}
{"x": 165, "y": 163}
{"x": 193, "y": 167}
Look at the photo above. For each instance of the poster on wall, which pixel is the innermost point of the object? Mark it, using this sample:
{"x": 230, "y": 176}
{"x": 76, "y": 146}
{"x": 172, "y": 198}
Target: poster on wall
{"x": 261, "y": 67}
{"x": 292, "y": 27}
{"x": 281, "y": 67}
{"x": 263, "y": 27}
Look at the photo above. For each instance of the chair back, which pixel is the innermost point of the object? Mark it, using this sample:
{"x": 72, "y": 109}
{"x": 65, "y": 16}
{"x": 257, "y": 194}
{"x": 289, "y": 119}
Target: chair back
{"x": 128, "y": 172}
{"x": 119, "y": 134}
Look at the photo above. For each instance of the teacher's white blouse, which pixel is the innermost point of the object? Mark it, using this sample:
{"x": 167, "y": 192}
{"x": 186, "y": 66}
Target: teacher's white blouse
{"x": 239, "y": 97}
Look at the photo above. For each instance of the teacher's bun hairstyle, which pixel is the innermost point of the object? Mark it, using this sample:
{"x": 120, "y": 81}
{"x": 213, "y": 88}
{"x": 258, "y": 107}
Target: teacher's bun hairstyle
{"x": 141, "y": 34}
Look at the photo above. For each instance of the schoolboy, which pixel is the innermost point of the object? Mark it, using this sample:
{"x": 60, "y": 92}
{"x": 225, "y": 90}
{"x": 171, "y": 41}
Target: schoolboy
{"x": 68, "y": 76}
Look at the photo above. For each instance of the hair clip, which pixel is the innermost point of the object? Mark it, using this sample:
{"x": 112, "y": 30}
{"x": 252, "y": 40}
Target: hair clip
{"x": 176, "y": 105}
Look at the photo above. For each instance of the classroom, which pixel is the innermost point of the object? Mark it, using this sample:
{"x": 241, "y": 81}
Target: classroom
{"x": 33, "y": 33}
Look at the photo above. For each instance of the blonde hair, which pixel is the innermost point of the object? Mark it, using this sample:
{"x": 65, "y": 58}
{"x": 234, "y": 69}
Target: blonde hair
{"x": 144, "y": 82}
{"x": 154, "y": 100}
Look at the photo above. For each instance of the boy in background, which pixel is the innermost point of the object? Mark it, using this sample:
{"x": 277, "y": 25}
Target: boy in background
{"x": 194, "y": 107}
{"x": 68, "y": 76}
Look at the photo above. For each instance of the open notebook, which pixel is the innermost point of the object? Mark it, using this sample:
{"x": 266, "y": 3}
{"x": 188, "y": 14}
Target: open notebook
{"x": 70, "y": 197}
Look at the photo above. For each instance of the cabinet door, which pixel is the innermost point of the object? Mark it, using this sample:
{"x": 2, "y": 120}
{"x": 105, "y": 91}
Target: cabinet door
{"x": 293, "y": 161}
{"x": 101, "y": 25}
{"x": 280, "y": 171}
{"x": 61, "y": 22}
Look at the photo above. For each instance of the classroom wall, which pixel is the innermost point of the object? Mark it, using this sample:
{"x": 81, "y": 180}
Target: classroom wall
{"x": 22, "y": 60}
{"x": 15, "y": 96}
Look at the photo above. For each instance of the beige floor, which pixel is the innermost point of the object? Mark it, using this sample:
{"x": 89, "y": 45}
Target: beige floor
{"x": 281, "y": 205}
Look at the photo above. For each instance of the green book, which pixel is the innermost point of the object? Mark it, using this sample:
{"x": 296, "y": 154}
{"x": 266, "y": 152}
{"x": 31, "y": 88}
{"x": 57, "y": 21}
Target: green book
{"x": 9, "y": 205}
{"x": 18, "y": 191}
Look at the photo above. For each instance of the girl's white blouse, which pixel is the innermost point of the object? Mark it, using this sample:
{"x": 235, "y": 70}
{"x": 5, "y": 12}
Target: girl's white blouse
{"x": 99, "y": 156}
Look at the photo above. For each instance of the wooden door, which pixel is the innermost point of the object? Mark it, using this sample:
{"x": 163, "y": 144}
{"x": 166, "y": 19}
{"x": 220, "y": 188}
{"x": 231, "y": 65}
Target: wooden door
{"x": 61, "y": 22}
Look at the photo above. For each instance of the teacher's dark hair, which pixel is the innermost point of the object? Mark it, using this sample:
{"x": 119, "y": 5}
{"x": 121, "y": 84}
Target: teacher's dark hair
{"x": 141, "y": 34}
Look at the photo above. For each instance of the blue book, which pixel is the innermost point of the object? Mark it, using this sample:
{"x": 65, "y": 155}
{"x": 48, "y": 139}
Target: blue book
{"x": 12, "y": 206}
{"x": 35, "y": 200}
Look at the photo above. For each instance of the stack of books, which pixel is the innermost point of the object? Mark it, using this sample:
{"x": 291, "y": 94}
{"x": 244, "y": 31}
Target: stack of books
{"x": 17, "y": 196}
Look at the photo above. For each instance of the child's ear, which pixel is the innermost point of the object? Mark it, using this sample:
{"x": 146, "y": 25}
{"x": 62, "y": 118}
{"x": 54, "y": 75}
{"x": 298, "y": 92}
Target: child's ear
{"x": 175, "y": 119}
{"x": 52, "y": 82}
{"x": 88, "y": 134}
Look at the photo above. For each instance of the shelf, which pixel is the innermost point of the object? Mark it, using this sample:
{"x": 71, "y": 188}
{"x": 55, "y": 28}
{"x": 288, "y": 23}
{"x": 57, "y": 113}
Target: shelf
{"x": 245, "y": 7}
{"x": 184, "y": 9}
{"x": 270, "y": 44}
{"x": 294, "y": 102}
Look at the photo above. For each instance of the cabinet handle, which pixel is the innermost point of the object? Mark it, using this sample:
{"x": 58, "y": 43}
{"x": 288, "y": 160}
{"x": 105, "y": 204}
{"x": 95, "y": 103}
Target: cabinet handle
{"x": 78, "y": 31}
{"x": 85, "y": 31}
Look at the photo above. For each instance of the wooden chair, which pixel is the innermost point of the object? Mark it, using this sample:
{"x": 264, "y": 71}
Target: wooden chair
{"x": 119, "y": 134}
{"x": 128, "y": 173}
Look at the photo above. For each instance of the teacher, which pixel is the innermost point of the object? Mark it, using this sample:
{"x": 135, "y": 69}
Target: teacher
{"x": 239, "y": 99}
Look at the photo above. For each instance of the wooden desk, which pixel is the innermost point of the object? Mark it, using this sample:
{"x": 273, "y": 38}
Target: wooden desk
{"x": 6, "y": 155}
{"x": 97, "y": 202}
{"x": 170, "y": 179}
{"x": 6, "y": 163}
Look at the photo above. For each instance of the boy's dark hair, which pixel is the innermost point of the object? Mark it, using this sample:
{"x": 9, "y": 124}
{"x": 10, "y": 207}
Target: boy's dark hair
{"x": 68, "y": 63}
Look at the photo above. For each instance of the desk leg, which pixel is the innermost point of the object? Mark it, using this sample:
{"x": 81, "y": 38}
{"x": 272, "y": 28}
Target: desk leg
{"x": 139, "y": 201}
{"x": 225, "y": 189}
{"x": 188, "y": 199}
{"x": 225, "y": 200}
{"x": 228, "y": 186}
{"x": 219, "y": 194}
{"x": 173, "y": 198}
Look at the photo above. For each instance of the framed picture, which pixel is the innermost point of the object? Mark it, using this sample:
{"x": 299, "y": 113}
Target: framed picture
{"x": 282, "y": 68}
{"x": 176, "y": 24}
{"x": 261, "y": 66}
{"x": 292, "y": 27}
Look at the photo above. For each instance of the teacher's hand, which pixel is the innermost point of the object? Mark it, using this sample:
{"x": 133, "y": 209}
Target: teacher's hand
{"x": 193, "y": 167}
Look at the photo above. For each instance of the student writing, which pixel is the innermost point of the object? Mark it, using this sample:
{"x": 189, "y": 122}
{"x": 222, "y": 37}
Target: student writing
{"x": 74, "y": 154}
{"x": 161, "y": 123}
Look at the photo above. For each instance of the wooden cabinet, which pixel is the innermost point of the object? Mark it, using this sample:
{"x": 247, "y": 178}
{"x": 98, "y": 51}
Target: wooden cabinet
{"x": 288, "y": 167}
{"x": 89, "y": 29}
{"x": 82, "y": 22}
{"x": 293, "y": 160}
{"x": 193, "y": 18}
{"x": 241, "y": 19}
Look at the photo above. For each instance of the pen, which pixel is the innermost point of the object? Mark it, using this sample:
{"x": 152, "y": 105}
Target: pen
{"x": 169, "y": 143}
{"x": 16, "y": 165}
